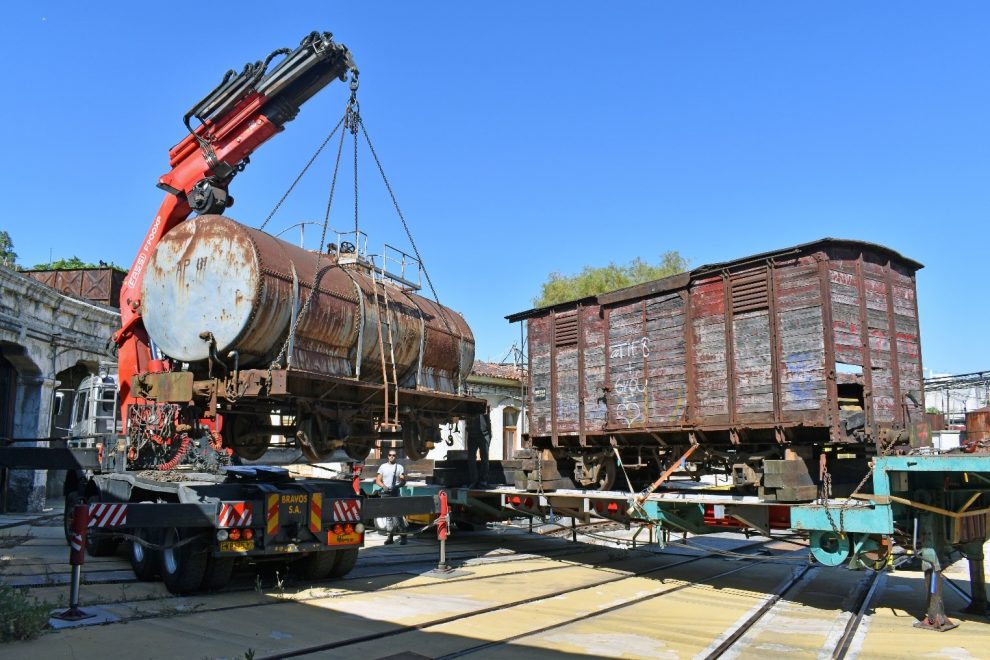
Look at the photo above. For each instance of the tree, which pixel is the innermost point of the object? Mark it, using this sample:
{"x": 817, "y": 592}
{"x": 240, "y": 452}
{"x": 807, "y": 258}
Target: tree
{"x": 75, "y": 263}
{"x": 7, "y": 254}
{"x": 592, "y": 281}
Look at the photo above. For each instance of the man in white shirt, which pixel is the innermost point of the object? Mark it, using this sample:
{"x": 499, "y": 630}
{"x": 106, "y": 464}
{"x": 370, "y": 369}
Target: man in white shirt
{"x": 390, "y": 478}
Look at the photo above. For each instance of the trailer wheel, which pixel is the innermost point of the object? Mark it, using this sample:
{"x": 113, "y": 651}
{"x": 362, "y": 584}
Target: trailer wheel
{"x": 183, "y": 566}
{"x": 218, "y": 572}
{"x": 317, "y": 565}
{"x": 146, "y": 562}
{"x": 344, "y": 562}
{"x": 100, "y": 544}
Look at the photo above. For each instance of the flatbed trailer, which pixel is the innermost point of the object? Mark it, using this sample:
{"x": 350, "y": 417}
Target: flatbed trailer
{"x": 190, "y": 527}
{"x": 928, "y": 505}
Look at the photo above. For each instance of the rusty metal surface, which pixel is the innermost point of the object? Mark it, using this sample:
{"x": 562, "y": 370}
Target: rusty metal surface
{"x": 746, "y": 352}
{"x": 174, "y": 386}
{"x": 100, "y": 285}
{"x": 977, "y": 425}
{"x": 211, "y": 274}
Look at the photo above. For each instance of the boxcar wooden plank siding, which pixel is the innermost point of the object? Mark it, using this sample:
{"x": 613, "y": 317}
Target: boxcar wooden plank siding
{"x": 659, "y": 357}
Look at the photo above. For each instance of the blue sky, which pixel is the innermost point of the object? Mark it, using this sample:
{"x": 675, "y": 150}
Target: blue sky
{"x": 523, "y": 138}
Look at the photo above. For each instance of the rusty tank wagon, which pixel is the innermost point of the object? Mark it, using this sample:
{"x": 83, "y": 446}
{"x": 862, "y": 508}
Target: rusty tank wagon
{"x": 788, "y": 370}
{"x": 338, "y": 349}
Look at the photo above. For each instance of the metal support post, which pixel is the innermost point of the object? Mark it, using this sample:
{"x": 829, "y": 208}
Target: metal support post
{"x": 973, "y": 551}
{"x": 443, "y": 523}
{"x": 573, "y": 529}
{"x": 531, "y": 524}
{"x": 935, "y": 618}
{"x": 77, "y": 557}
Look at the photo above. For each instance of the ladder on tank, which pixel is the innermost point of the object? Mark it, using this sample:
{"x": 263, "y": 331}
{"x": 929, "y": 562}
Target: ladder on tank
{"x": 390, "y": 380}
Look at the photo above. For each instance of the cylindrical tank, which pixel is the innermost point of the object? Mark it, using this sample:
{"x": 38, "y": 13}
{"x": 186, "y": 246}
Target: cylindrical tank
{"x": 245, "y": 287}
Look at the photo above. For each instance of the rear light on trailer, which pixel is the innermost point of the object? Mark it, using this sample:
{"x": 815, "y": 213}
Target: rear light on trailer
{"x": 234, "y": 535}
{"x": 222, "y": 535}
{"x": 338, "y": 529}
{"x": 248, "y": 534}
{"x": 359, "y": 528}
{"x": 348, "y": 529}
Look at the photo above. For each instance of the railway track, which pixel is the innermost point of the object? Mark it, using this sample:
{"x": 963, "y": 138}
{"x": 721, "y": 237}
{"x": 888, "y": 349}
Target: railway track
{"x": 502, "y": 607}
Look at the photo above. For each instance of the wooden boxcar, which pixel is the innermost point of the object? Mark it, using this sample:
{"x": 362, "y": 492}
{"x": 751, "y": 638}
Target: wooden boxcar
{"x": 803, "y": 348}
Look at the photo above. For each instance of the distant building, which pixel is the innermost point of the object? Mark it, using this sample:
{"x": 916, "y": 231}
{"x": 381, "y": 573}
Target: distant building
{"x": 954, "y": 396}
{"x": 502, "y": 386}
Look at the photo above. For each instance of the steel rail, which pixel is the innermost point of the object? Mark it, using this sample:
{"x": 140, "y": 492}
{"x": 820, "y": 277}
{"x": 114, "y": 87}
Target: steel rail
{"x": 852, "y": 625}
{"x": 768, "y": 605}
{"x": 500, "y": 607}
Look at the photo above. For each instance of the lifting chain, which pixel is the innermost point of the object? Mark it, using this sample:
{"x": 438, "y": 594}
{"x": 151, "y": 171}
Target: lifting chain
{"x": 826, "y": 493}
{"x": 319, "y": 255}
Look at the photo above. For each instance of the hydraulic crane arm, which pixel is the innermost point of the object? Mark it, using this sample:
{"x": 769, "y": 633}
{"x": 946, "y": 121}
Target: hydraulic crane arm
{"x": 244, "y": 111}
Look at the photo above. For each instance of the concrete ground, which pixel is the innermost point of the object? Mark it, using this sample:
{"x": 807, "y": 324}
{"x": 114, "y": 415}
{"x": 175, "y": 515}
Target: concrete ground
{"x": 516, "y": 595}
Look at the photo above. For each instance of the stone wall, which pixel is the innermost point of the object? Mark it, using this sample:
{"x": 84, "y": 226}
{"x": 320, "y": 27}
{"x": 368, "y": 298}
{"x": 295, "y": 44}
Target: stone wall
{"x": 43, "y": 333}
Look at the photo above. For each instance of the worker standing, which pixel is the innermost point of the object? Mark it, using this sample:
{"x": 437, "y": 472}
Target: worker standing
{"x": 479, "y": 435}
{"x": 390, "y": 478}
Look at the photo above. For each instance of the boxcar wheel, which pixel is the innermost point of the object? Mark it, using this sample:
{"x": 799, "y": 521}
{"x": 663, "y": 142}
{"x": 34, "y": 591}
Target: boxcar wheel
{"x": 344, "y": 562}
{"x": 100, "y": 544}
{"x": 183, "y": 566}
{"x": 317, "y": 565}
{"x": 146, "y": 562}
{"x": 218, "y": 572}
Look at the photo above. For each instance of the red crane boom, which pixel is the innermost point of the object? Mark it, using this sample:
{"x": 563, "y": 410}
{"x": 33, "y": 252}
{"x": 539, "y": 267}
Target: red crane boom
{"x": 243, "y": 112}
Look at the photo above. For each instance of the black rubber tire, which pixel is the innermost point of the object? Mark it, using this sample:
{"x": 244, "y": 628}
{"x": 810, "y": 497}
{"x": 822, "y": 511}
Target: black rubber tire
{"x": 218, "y": 572}
{"x": 182, "y": 567}
{"x": 344, "y": 562}
{"x": 100, "y": 544}
{"x": 146, "y": 562}
{"x": 316, "y": 565}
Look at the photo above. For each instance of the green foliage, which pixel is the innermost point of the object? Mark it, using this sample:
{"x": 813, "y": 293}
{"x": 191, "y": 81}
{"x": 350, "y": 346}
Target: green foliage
{"x": 933, "y": 410}
{"x": 75, "y": 263}
{"x": 21, "y": 616}
{"x": 7, "y": 254}
{"x": 591, "y": 280}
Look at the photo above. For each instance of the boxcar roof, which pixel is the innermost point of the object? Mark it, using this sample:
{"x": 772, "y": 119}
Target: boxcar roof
{"x": 681, "y": 280}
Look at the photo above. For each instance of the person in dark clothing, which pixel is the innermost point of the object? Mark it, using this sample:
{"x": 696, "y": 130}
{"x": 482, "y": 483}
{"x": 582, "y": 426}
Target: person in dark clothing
{"x": 479, "y": 435}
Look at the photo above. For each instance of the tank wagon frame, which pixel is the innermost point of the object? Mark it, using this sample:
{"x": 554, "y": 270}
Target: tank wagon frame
{"x": 783, "y": 356}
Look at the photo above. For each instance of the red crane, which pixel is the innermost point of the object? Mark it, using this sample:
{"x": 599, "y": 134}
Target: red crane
{"x": 243, "y": 112}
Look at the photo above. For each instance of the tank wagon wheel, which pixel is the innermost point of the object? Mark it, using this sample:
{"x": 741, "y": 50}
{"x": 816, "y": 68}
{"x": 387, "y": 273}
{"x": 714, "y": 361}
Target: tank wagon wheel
{"x": 415, "y": 439}
{"x": 183, "y": 567}
{"x": 146, "y": 562}
{"x": 100, "y": 545}
{"x": 312, "y": 438}
{"x": 316, "y": 565}
{"x": 237, "y": 435}
{"x": 358, "y": 448}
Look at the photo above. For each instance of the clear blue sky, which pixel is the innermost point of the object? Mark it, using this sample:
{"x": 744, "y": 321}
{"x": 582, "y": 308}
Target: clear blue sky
{"x": 524, "y": 138}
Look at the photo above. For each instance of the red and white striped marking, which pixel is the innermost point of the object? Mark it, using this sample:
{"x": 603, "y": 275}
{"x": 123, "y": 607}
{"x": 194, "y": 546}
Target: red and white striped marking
{"x": 346, "y": 511}
{"x": 236, "y": 514}
{"x": 76, "y": 542}
{"x": 107, "y": 515}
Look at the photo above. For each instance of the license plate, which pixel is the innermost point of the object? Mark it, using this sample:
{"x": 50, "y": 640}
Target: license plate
{"x": 343, "y": 539}
{"x": 236, "y": 546}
